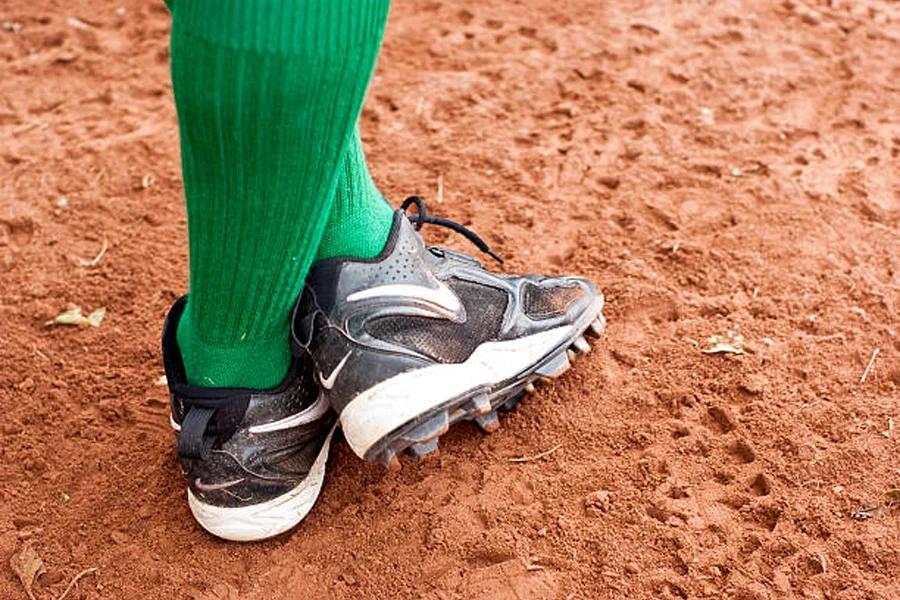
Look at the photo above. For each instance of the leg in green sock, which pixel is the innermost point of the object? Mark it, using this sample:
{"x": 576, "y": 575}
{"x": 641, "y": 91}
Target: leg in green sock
{"x": 361, "y": 218}
{"x": 268, "y": 94}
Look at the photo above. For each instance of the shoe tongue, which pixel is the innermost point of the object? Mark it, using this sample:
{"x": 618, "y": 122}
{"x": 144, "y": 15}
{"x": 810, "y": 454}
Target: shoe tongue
{"x": 408, "y": 237}
{"x": 403, "y": 232}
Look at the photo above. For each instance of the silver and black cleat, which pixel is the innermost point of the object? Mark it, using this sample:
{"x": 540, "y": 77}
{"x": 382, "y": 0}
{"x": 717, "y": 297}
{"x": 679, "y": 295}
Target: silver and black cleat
{"x": 418, "y": 338}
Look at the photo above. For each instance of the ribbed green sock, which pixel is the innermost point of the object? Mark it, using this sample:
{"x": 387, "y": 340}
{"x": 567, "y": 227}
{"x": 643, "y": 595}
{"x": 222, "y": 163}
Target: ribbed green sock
{"x": 268, "y": 93}
{"x": 361, "y": 218}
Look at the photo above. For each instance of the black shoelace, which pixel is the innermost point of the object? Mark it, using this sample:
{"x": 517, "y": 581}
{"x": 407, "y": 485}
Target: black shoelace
{"x": 423, "y": 217}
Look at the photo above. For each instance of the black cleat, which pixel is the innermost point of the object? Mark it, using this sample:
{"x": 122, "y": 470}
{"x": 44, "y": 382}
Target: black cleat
{"x": 254, "y": 460}
{"x": 418, "y": 338}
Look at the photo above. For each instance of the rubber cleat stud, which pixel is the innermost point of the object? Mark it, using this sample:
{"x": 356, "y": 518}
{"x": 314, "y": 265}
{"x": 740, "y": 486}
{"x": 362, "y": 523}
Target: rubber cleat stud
{"x": 389, "y": 459}
{"x": 510, "y": 404}
{"x": 581, "y": 346}
{"x": 477, "y": 406}
{"x": 596, "y": 328}
{"x": 489, "y": 422}
{"x": 420, "y": 451}
{"x": 430, "y": 429}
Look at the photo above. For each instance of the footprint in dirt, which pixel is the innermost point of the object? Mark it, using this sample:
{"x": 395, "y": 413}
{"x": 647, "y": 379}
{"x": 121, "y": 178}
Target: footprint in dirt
{"x": 219, "y": 591}
{"x": 15, "y": 234}
{"x": 509, "y": 580}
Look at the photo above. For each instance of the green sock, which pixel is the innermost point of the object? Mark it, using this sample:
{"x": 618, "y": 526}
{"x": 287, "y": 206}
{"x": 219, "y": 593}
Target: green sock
{"x": 361, "y": 218}
{"x": 268, "y": 93}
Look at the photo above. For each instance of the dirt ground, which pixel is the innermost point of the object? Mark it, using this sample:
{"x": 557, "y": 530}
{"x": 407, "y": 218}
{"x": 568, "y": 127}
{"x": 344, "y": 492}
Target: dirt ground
{"x": 726, "y": 171}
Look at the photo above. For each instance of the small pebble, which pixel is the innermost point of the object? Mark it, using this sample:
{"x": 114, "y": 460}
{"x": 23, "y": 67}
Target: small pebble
{"x": 811, "y": 17}
{"x": 754, "y": 384}
{"x": 599, "y": 500}
{"x": 120, "y": 537}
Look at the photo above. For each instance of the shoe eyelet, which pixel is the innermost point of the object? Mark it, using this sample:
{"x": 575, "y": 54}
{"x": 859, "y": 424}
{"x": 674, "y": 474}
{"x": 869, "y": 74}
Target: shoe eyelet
{"x": 437, "y": 252}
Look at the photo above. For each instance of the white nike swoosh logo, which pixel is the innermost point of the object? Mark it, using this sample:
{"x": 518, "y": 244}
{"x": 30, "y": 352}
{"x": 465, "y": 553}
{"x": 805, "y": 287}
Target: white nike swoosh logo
{"x": 442, "y": 297}
{"x": 313, "y": 413}
{"x": 328, "y": 382}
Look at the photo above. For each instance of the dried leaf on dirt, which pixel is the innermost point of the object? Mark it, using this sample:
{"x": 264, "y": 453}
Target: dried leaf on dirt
{"x": 724, "y": 349}
{"x": 74, "y": 317}
{"x": 866, "y": 513}
{"x": 27, "y": 565}
{"x": 730, "y": 343}
{"x": 890, "y": 501}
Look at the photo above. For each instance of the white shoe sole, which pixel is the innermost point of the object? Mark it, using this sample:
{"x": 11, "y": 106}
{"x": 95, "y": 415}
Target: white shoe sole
{"x": 261, "y": 521}
{"x": 395, "y": 402}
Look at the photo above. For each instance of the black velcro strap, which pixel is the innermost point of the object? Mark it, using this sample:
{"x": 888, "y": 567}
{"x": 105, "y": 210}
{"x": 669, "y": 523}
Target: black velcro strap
{"x": 193, "y": 441}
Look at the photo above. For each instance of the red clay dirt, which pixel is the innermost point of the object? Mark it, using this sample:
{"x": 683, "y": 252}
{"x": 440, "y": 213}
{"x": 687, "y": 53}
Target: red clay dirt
{"x": 726, "y": 171}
